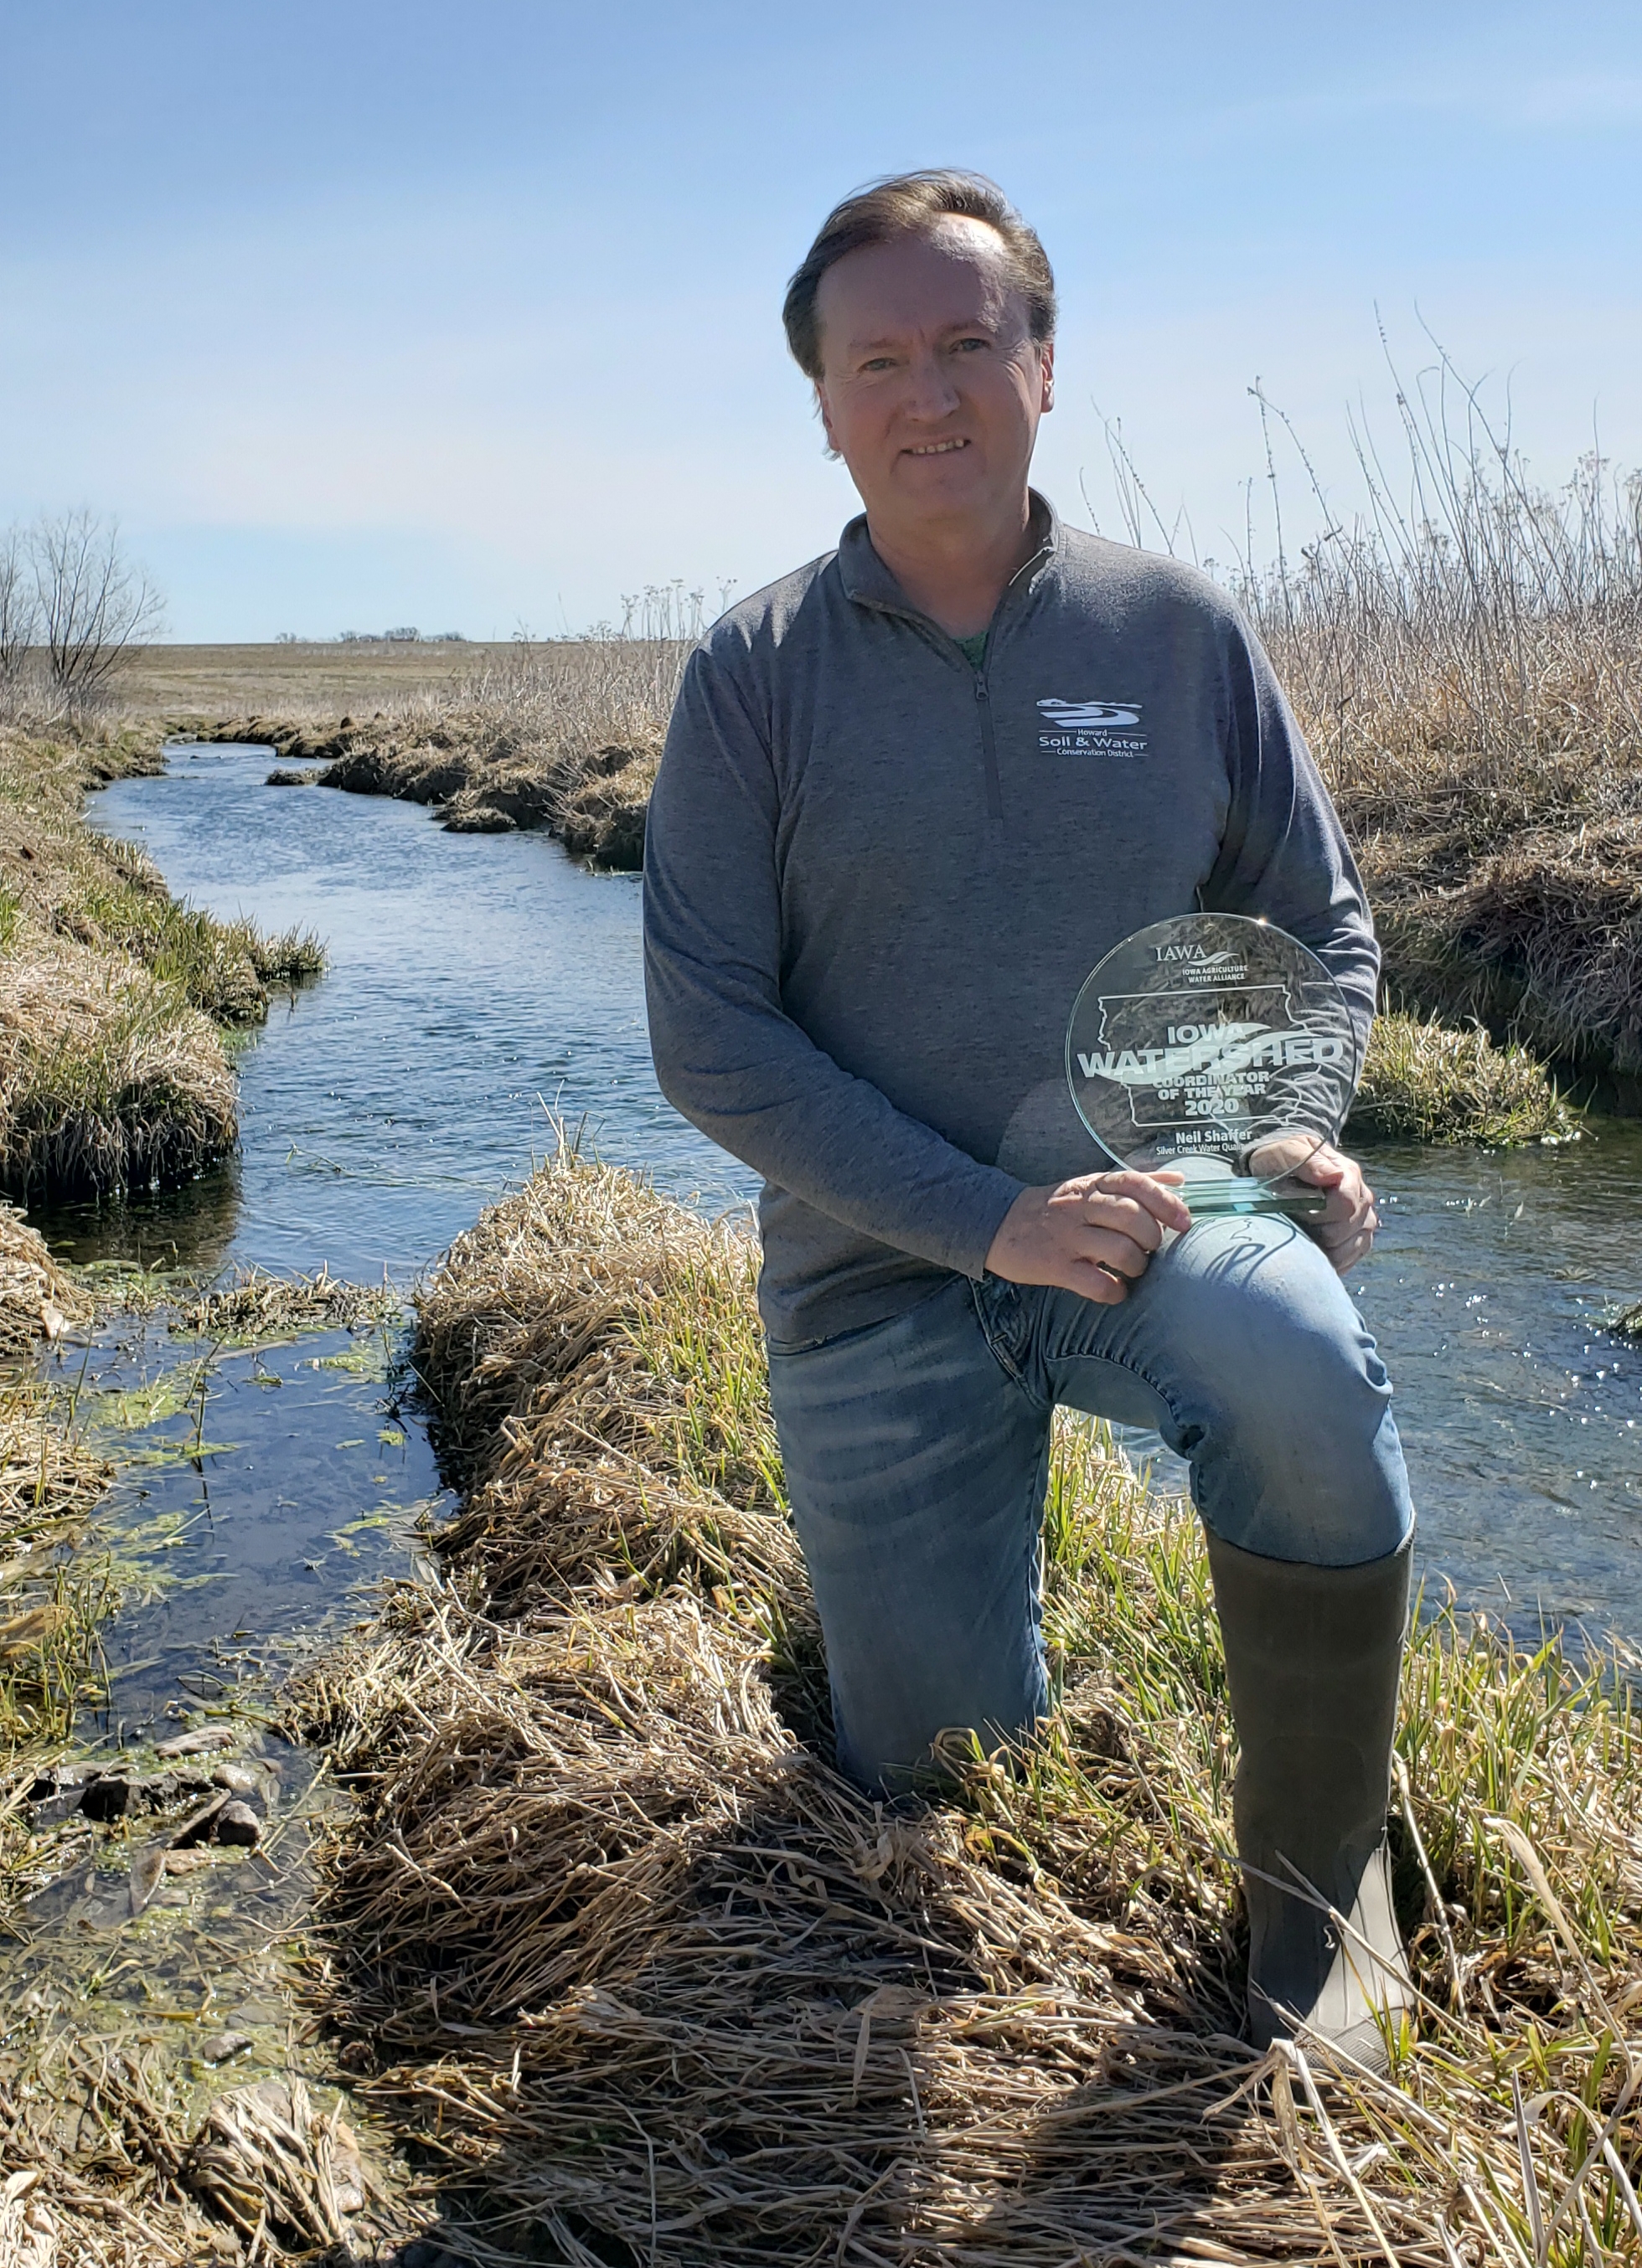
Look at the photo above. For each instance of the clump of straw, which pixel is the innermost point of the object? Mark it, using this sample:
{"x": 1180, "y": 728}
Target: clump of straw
{"x": 112, "y": 1072}
{"x": 260, "y": 1309}
{"x": 1423, "y": 1082}
{"x": 108, "y": 1079}
{"x": 36, "y": 1299}
{"x": 649, "y": 1982}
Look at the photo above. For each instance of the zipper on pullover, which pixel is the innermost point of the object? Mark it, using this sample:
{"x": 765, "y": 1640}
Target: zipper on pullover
{"x": 989, "y": 750}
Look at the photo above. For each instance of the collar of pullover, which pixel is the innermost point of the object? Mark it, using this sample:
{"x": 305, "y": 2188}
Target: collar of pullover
{"x": 869, "y": 582}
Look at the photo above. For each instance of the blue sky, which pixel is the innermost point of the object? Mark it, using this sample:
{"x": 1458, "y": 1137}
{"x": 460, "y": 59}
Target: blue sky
{"x": 359, "y": 314}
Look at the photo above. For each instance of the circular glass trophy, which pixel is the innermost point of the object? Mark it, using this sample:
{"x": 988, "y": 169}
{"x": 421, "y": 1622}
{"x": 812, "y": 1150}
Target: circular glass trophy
{"x": 1217, "y": 1048}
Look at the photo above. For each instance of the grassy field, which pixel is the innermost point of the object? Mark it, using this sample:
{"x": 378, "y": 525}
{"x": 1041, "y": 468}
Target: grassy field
{"x": 648, "y": 1981}
{"x": 321, "y": 679}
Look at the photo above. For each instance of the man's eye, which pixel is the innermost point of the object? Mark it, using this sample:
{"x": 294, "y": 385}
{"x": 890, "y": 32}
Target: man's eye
{"x": 969, "y": 346}
{"x": 879, "y": 362}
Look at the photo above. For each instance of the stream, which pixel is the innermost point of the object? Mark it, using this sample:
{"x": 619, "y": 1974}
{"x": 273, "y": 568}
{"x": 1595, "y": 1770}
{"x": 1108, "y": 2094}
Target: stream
{"x": 480, "y": 985}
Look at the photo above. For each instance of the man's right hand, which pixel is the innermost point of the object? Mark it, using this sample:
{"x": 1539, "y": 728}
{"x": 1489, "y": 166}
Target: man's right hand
{"x": 1093, "y": 1236}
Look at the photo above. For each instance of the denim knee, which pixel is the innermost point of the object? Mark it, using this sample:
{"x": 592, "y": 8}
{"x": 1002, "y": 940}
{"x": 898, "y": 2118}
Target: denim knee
{"x": 1241, "y": 1346}
{"x": 1296, "y": 1454}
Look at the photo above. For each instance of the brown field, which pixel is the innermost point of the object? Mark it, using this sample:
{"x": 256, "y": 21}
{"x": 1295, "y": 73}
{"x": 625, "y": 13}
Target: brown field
{"x": 233, "y": 681}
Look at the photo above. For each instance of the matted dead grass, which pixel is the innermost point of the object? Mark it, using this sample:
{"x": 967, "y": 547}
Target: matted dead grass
{"x": 104, "y": 2163}
{"x": 37, "y": 1300}
{"x": 648, "y": 1981}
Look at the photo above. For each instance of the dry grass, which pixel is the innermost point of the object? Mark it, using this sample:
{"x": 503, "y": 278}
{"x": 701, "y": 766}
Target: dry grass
{"x": 36, "y": 1299}
{"x": 112, "y": 1072}
{"x": 257, "y": 1309}
{"x": 106, "y": 2164}
{"x": 649, "y": 1984}
{"x": 1423, "y": 1082}
{"x": 1468, "y": 667}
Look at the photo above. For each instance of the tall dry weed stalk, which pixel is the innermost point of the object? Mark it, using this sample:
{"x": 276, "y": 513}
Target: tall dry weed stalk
{"x": 566, "y": 693}
{"x": 1473, "y": 634}
{"x": 1464, "y": 650}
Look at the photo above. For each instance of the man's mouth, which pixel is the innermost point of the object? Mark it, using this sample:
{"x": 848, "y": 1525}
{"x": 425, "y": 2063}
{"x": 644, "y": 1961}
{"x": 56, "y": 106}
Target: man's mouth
{"x": 937, "y": 448}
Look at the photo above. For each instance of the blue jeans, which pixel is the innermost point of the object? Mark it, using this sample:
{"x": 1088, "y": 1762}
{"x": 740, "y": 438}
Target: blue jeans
{"x": 917, "y": 1457}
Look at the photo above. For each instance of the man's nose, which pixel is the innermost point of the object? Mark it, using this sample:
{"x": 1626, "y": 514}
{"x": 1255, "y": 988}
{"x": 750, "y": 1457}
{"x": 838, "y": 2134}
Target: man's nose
{"x": 930, "y": 394}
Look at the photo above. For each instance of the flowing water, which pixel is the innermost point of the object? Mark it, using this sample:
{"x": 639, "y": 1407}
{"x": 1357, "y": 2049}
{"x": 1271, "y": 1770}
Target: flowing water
{"x": 479, "y": 983}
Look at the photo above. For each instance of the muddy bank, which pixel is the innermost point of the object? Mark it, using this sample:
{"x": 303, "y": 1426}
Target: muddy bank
{"x": 650, "y": 1982}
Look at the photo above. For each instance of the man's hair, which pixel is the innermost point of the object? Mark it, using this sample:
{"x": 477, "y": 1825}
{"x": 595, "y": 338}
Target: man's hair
{"x": 914, "y": 205}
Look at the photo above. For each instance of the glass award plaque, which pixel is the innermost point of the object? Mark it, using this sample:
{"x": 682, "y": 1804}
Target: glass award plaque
{"x": 1217, "y": 1048}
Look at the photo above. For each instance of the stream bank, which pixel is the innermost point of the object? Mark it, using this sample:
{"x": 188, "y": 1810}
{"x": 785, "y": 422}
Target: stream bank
{"x": 563, "y": 737}
{"x": 114, "y": 999}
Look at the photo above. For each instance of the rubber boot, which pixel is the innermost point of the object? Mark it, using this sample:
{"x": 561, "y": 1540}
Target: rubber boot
{"x": 1312, "y": 1655}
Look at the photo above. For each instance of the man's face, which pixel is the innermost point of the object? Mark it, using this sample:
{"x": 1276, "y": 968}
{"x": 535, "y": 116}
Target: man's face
{"x": 932, "y": 385}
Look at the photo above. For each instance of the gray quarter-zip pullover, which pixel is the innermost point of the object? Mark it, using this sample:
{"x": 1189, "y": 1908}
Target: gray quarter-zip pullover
{"x": 876, "y": 877}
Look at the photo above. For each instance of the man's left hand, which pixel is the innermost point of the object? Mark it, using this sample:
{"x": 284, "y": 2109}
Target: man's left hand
{"x": 1346, "y": 1229}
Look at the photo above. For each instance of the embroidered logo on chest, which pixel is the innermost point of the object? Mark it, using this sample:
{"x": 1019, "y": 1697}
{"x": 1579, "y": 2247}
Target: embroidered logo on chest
{"x": 1091, "y": 728}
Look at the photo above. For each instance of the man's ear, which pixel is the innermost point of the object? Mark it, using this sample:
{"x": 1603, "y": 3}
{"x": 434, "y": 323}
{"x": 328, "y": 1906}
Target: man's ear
{"x": 1046, "y": 354}
{"x": 824, "y": 414}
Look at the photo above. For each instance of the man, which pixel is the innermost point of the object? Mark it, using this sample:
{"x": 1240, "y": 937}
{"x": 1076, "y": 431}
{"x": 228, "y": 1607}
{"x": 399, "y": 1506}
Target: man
{"x": 877, "y": 873}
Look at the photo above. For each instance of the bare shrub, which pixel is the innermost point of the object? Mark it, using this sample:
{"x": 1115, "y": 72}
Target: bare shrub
{"x": 20, "y": 608}
{"x": 93, "y": 605}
